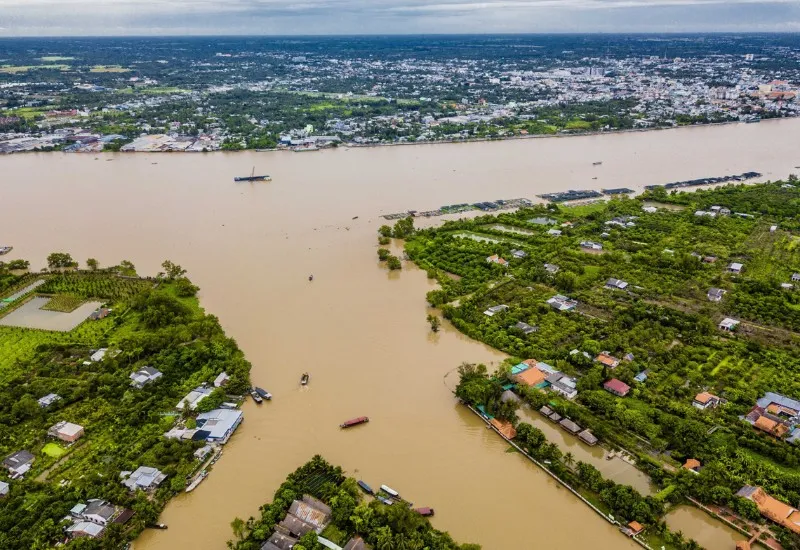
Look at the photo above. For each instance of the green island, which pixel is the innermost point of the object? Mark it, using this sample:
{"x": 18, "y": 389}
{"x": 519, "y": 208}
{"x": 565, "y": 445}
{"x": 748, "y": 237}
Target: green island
{"x": 318, "y": 507}
{"x": 92, "y": 365}
{"x": 663, "y": 328}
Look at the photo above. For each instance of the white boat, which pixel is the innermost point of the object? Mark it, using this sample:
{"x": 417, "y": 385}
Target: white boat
{"x": 197, "y": 481}
{"x": 389, "y": 491}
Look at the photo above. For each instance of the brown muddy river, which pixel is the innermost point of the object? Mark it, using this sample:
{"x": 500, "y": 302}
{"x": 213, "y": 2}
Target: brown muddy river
{"x": 358, "y": 330}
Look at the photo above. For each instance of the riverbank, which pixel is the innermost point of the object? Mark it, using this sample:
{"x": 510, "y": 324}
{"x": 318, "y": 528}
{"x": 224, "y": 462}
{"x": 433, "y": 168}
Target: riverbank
{"x": 346, "y": 145}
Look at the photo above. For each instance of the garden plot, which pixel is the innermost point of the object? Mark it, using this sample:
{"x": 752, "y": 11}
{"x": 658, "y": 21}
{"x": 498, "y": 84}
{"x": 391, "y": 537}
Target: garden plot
{"x": 31, "y": 315}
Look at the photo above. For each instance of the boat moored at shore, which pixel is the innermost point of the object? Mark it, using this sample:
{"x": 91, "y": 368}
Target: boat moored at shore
{"x": 262, "y": 393}
{"x": 389, "y": 491}
{"x": 366, "y": 488}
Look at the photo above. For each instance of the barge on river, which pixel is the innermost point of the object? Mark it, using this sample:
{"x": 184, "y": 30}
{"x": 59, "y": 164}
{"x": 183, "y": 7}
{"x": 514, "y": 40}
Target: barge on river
{"x": 252, "y": 177}
{"x": 354, "y": 422}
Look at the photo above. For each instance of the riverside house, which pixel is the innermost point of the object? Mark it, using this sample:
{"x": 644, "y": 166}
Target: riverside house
{"x": 705, "y": 401}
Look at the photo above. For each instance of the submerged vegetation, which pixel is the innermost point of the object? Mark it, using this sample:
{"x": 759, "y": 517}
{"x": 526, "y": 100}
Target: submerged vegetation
{"x": 146, "y": 322}
{"x": 651, "y": 296}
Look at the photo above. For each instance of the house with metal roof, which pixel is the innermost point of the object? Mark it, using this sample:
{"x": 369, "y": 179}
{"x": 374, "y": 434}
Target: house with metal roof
{"x": 588, "y": 437}
{"x": 218, "y": 425}
{"x": 715, "y": 294}
{"x": 66, "y": 431}
{"x": 48, "y": 400}
{"x": 194, "y": 397}
{"x": 18, "y": 463}
{"x": 144, "y": 478}
{"x": 616, "y": 284}
{"x": 144, "y": 376}
{"x": 728, "y": 324}
{"x": 492, "y": 311}
{"x": 3, "y": 489}
{"x": 221, "y": 380}
{"x": 617, "y": 387}
{"x": 570, "y": 426}
{"x": 85, "y": 529}
{"x": 559, "y": 302}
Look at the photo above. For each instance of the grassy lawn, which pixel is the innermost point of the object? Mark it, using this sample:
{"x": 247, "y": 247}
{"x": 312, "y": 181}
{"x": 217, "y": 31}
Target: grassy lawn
{"x": 108, "y": 69}
{"x": 54, "y": 450}
{"x": 15, "y": 69}
{"x": 28, "y": 113}
{"x": 63, "y": 302}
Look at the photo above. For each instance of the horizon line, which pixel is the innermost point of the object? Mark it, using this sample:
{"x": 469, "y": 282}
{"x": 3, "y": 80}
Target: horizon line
{"x": 381, "y": 35}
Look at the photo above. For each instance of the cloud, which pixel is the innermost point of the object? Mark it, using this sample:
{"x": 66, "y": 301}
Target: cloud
{"x": 103, "y": 17}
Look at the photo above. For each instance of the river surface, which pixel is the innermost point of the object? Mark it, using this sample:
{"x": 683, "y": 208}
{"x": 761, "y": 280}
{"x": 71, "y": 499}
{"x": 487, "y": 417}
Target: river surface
{"x": 708, "y": 532}
{"x": 360, "y": 331}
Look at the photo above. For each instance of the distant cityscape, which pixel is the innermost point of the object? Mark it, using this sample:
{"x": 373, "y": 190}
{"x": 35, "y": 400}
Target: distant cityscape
{"x": 194, "y": 95}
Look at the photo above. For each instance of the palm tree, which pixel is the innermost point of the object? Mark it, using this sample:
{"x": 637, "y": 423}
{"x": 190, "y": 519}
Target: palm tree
{"x": 569, "y": 460}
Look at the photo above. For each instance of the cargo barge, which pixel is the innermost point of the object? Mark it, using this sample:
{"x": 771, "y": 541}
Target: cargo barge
{"x": 571, "y": 195}
{"x": 354, "y": 422}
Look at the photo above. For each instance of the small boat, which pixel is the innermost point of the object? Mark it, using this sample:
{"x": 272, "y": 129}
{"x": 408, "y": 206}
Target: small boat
{"x": 355, "y": 217}
{"x": 354, "y": 422}
{"x": 425, "y": 511}
{"x": 598, "y": 163}
{"x": 5, "y": 249}
{"x": 255, "y": 396}
{"x": 594, "y": 178}
{"x": 197, "y": 481}
{"x": 304, "y": 379}
{"x": 158, "y": 526}
{"x": 389, "y": 491}
{"x": 611, "y": 455}
{"x": 366, "y": 488}
{"x": 386, "y": 501}
{"x": 310, "y": 277}
{"x": 264, "y": 394}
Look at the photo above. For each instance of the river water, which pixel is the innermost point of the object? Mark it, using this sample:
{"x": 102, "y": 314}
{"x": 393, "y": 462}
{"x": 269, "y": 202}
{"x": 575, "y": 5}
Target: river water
{"x": 360, "y": 331}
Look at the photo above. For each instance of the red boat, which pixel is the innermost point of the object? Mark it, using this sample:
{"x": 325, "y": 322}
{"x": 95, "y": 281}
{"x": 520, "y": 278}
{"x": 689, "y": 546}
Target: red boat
{"x": 424, "y": 511}
{"x": 354, "y": 422}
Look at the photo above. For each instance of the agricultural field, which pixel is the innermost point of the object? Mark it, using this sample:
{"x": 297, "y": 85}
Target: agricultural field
{"x": 163, "y": 327}
{"x": 663, "y": 322}
{"x": 64, "y": 303}
{"x": 12, "y": 69}
{"x": 108, "y": 69}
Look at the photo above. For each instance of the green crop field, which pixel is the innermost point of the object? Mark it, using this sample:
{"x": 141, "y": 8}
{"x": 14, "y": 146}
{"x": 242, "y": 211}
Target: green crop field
{"x": 94, "y": 285}
{"x": 63, "y": 302}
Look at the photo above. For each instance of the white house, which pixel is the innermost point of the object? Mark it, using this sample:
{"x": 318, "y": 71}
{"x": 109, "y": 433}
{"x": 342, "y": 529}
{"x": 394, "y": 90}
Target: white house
{"x": 48, "y": 400}
{"x": 735, "y": 267}
{"x": 143, "y": 477}
{"x": 616, "y": 284}
{"x": 144, "y": 376}
{"x": 221, "y": 380}
{"x": 194, "y": 397}
{"x": 728, "y": 324}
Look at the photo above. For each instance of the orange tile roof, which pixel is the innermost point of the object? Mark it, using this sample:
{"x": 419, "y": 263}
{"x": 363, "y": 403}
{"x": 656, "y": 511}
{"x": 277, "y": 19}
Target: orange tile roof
{"x": 776, "y": 510}
{"x": 766, "y": 424}
{"x": 704, "y": 397}
{"x": 606, "y": 359}
{"x": 530, "y": 377}
{"x": 636, "y": 527}
{"x": 531, "y": 362}
{"x": 504, "y": 427}
{"x": 692, "y": 463}
{"x": 742, "y": 545}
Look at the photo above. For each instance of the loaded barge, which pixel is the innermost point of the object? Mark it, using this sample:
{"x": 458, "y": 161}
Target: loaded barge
{"x": 571, "y": 195}
{"x": 252, "y": 177}
{"x": 354, "y": 422}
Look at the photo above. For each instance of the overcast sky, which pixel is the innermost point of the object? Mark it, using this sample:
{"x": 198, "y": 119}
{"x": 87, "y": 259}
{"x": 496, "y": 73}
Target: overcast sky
{"x": 281, "y": 17}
